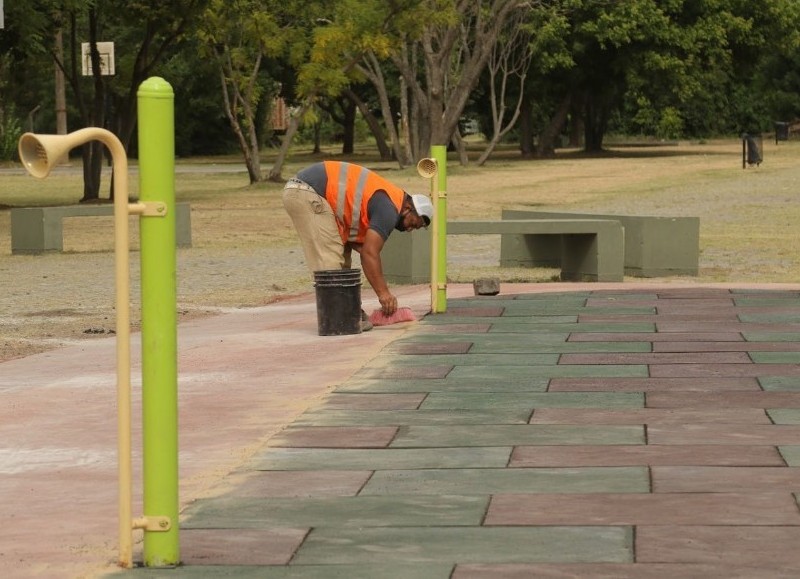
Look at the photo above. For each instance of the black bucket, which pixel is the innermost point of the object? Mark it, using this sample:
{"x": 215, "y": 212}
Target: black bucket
{"x": 338, "y": 301}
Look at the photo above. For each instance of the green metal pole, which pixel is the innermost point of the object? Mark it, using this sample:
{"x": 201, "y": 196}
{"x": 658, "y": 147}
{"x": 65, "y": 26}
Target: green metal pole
{"x": 439, "y": 153}
{"x": 159, "y": 321}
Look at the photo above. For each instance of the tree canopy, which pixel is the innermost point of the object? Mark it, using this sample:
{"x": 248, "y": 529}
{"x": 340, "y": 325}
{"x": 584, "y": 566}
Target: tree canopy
{"x": 414, "y": 69}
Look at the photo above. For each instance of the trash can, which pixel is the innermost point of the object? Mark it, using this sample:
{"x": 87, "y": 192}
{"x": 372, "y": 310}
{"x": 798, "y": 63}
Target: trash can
{"x": 752, "y": 149}
{"x": 781, "y": 132}
{"x": 338, "y": 301}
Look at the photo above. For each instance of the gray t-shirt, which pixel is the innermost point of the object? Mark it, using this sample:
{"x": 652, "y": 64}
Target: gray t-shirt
{"x": 382, "y": 215}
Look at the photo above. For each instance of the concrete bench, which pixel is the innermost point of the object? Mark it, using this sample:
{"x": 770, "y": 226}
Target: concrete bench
{"x": 589, "y": 249}
{"x": 654, "y": 246}
{"x": 39, "y": 229}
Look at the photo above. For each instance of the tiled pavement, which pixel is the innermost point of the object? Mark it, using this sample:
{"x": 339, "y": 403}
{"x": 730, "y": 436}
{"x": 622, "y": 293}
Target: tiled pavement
{"x": 621, "y": 433}
{"x": 556, "y": 430}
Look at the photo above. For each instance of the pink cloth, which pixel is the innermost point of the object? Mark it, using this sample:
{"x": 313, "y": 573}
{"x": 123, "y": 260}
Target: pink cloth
{"x": 378, "y": 318}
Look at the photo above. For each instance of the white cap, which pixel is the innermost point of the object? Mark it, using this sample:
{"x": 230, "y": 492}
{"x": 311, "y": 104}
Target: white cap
{"x": 423, "y": 207}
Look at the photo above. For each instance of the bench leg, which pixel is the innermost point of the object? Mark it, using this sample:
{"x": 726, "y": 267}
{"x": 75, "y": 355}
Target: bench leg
{"x": 593, "y": 257}
{"x": 183, "y": 225}
{"x": 32, "y": 233}
{"x": 579, "y": 259}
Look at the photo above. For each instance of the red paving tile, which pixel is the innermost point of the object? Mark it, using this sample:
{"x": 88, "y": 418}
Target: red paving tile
{"x": 699, "y": 479}
{"x": 652, "y": 384}
{"x": 635, "y": 455}
{"x": 334, "y": 437}
{"x": 734, "y": 433}
{"x": 644, "y": 509}
{"x": 702, "y": 326}
{"x": 653, "y": 416}
{"x": 726, "y": 346}
{"x": 748, "y": 546}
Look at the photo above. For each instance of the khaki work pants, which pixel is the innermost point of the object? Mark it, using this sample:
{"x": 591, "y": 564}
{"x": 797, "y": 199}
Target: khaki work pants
{"x": 315, "y": 223}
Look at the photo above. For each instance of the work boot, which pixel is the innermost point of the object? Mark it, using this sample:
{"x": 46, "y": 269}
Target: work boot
{"x": 366, "y": 325}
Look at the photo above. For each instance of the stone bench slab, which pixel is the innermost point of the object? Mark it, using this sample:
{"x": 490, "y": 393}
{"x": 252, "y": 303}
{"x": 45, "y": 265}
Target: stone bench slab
{"x": 36, "y": 230}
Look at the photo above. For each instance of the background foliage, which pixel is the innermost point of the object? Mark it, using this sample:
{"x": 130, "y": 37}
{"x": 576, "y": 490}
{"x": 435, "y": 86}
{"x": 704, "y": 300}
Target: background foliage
{"x": 662, "y": 69}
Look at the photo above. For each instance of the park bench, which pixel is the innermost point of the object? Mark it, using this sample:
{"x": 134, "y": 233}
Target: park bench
{"x": 40, "y": 229}
{"x": 589, "y": 249}
{"x": 654, "y": 246}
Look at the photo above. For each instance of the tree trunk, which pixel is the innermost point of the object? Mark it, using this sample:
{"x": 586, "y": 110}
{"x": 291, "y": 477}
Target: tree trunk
{"x": 405, "y": 133}
{"x": 547, "y": 139}
{"x": 373, "y": 70}
{"x": 237, "y": 104}
{"x": 373, "y": 124}
{"x": 317, "y": 139}
{"x": 526, "y": 130}
{"x": 348, "y": 126}
{"x": 461, "y": 148}
{"x": 595, "y": 119}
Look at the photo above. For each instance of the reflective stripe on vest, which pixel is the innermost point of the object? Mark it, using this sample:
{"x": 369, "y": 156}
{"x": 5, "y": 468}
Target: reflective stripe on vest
{"x": 352, "y": 226}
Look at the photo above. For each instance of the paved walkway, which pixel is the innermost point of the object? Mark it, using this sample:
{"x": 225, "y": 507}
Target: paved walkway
{"x": 553, "y": 431}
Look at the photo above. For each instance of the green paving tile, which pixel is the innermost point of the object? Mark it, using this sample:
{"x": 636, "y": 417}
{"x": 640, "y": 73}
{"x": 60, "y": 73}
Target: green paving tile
{"x": 791, "y": 454}
{"x": 775, "y": 357}
{"x": 785, "y": 317}
{"x": 374, "y": 459}
{"x": 468, "y": 545}
{"x": 610, "y": 309}
{"x": 515, "y": 435}
{"x": 520, "y": 300}
{"x": 497, "y": 400}
{"x": 784, "y": 415}
{"x": 361, "y": 511}
{"x": 324, "y": 417}
{"x": 498, "y": 384}
{"x": 771, "y": 336}
{"x": 780, "y": 383}
{"x": 766, "y": 302}
{"x": 463, "y": 360}
{"x": 557, "y": 371}
{"x": 482, "y": 481}
{"x": 365, "y": 571}
{"x": 527, "y": 321}
{"x": 613, "y": 295}
{"x": 604, "y": 327}
{"x": 565, "y": 296}
{"x": 528, "y": 310}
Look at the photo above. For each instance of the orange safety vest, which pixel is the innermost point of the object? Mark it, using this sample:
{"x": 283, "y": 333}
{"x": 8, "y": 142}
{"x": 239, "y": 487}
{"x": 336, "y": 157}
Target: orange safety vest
{"x": 349, "y": 189}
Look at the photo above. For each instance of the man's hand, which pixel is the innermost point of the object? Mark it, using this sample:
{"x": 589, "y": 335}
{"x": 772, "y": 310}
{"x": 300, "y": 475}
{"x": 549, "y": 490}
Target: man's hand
{"x": 371, "y": 262}
{"x": 388, "y": 303}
